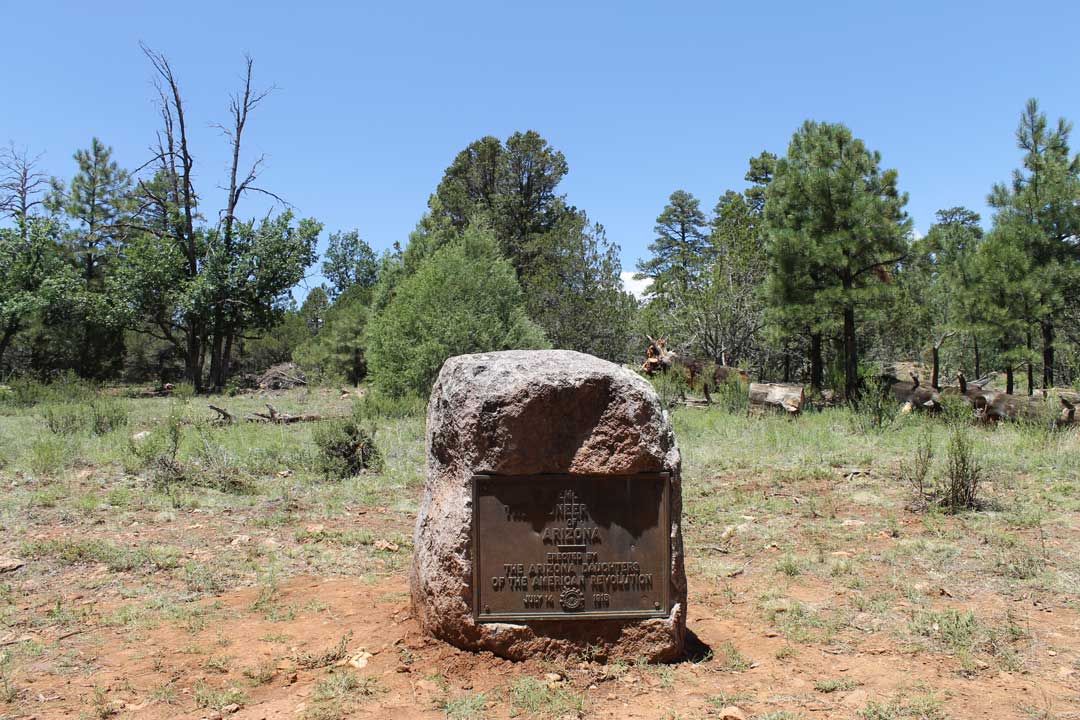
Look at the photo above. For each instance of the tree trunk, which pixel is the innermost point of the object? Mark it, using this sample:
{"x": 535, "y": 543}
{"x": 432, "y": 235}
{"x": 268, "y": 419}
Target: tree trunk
{"x": 978, "y": 357}
{"x": 193, "y": 362}
{"x": 1030, "y": 367}
{"x": 226, "y": 359}
{"x": 851, "y": 355}
{"x": 1009, "y": 380}
{"x": 1048, "y": 355}
{"x": 936, "y": 365}
{"x": 787, "y": 367}
{"x": 217, "y": 343}
{"x": 10, "y": 329}
{"x": 817, "y": 371}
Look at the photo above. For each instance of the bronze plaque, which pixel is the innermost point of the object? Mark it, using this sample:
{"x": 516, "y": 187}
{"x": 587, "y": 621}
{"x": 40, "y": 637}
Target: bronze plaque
{"x": 560, "y": 547}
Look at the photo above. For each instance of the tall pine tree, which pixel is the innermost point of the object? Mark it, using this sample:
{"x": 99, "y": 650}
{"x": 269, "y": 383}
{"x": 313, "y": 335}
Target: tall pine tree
{"x": 837, "y": 225}
{"x": 1039, "y": 211}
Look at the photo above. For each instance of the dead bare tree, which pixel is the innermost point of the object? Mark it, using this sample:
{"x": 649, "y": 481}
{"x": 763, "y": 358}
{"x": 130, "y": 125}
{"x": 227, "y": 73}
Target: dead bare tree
{"x": 935, "y": 351}
{"x": 171, "y": 200}
{"x": 22, "y": 186}
{"x": 224, "y": 329}
{"x": 22, "y": 189}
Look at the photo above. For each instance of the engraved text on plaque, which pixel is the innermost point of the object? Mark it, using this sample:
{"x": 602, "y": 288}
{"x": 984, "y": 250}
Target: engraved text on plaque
{"x": 570, "y": 546}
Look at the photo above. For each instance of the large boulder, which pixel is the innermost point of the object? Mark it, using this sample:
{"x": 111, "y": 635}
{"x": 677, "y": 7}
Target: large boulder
{"x": 528, "y": 413}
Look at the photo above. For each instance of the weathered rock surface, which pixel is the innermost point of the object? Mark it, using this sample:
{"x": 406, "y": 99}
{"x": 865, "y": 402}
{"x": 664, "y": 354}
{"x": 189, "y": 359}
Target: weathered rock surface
{"x": 524, "y": 413}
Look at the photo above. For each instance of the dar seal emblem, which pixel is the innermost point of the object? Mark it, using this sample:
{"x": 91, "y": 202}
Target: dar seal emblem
{"x": 571, "y": 598}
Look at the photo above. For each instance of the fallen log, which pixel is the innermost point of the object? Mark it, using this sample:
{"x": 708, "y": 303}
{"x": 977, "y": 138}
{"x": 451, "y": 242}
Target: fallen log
{"x": 274, "y": 416}
{"x": 786, "y": 397}
{"x": 916, "y": 396}
{"x": 224, "y": 416}
{"x": 282, "y": 418}
{"x": 999, "y": 406}
{"x": 1061, "y": 393}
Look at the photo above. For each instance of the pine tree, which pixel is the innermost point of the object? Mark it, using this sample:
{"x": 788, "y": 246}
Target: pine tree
{"x": 575, "y": 290}
{"x": 98, "y": 202}
{"x": 680, "y": 254}
{"x": 1039, "y": 209}
{"x": 836, "y": 227}
{"x": 464, "y": 298}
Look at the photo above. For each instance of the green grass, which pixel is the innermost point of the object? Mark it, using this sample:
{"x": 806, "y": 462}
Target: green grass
{"x": 117, "y": 558}
{"x": 730, "y": 659}
{"x": 835, "y": 685}
{"x": 337, "y": 694}
{"x": 915, "y": 705}
{"x": 469, "y": 706}
{"x": 535, "y": 698}
{"x": 800, "y": 526}
{"x": 212, "y": 698}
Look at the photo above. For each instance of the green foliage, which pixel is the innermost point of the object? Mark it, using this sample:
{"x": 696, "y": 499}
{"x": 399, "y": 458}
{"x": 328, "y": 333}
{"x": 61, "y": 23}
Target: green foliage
{"x": 70, "y": 551}
{"x": 1036, "y": 222}
{"x": 533, "y": 697}
{"x": 107, "y": 415}
{"x": 680, "y": 254}
{"x": 33, "y": 276}
{"x": 376, "y": 406}
{"x": 463, "y": 299}
{"x": 277, "y": 344}
{"x": 64, "y": 418}
{"x": 670, "y": 386}
{"x": 346, "y": 448}
{"x": 349, "y": 261}
{"x": 731, "y": 396}
{"x": 469, "y": 706}
{"x": 836, "y": 223}
{"x": 50, "y": 455}
{"x": 513, "y": 185}
{"x": 574, "y": 289}
{"x": 568, "y": 270}
{"x": 959, "y": 486}
{"x": 873, "y": 410}
{"x": 915, "y": 469}
{"x": 707, "y": 275}
{"x": 100, "y": 416}
{"x": 338, "y": 352}
{"x": 97, "y": 201}
{"x": 954, "y": 409}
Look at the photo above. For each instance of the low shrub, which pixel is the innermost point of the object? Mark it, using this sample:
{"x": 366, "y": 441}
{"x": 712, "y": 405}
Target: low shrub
{"x": 26, "y": 392}
{"x": 345, "y": 449}
{"x": 915, "y": 470}
{"x": 873, "y": 410}
{"x": 375, "y": 405}
{"x": 732, "y": 396}
{"x": 955, "y": 409}
{"x": 953, "y": 488}
{"x": 65, "y": 418}
{"x": 107, "y": 415}
{"x": 50, "y": 454}
{"x": 958, "y": 488}
{"x": 670, "y": 386}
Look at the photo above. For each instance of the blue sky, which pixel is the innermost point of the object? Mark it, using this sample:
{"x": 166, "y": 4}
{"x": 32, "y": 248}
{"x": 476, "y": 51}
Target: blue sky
{"x": 374, "y": 100}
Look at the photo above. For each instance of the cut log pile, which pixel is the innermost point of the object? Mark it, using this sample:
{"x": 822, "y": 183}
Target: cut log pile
{"x": 986, "y": 405}
{"x": 916, "y": 396}
{"x": 281, "y": 377}
{"x": 274, "y": 416}
{"x": 785, "y": 397}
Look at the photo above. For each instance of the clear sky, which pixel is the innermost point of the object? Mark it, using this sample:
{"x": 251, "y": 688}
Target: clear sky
{"x": 374, "y": 100}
